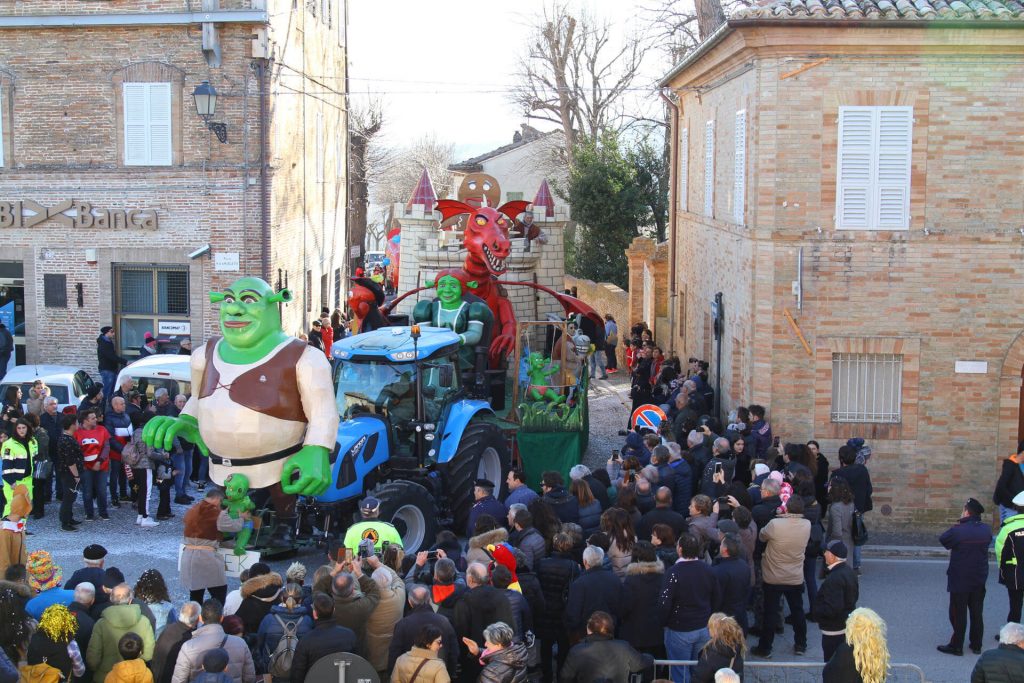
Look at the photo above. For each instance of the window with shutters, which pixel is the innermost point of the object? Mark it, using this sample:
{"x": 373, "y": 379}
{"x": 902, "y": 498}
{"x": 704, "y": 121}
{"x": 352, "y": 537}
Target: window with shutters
{"x": 873, "y": 178}
{"x": 739, "y": 181}
{"x": 145, "y": 296}
{"x": 55, "y": 290}
{"x": 147, "y": 124}
{"x": 684, "y": 166}
{"x": 709, "y": 169}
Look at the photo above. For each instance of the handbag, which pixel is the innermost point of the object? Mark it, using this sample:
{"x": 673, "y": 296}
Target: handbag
{"x": 860, "y": 530}
{"x": 42, "y": 469}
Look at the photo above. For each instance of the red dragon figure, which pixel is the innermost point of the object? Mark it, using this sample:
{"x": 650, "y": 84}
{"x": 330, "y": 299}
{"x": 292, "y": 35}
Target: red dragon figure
{"x": 487, "y": 246}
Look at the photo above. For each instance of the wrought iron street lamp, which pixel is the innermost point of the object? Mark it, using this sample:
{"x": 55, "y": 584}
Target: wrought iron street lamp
{"x": 205, "y": 98}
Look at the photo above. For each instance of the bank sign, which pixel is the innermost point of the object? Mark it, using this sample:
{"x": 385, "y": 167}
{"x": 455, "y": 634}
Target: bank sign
{"x": 75, "y": 214}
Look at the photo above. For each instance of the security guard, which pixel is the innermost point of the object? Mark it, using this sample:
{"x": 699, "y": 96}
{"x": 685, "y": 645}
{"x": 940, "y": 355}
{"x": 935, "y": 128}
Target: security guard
{"x": 486, "y": 504}
{"x": 371, "y": 528}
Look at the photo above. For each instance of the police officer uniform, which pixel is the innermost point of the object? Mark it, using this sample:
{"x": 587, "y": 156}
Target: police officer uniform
{"x": 488, "y": 505}
{"x": 371, "y": 528}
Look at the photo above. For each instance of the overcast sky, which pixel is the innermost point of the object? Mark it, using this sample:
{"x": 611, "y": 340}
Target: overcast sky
{"x": 447, "y": 67}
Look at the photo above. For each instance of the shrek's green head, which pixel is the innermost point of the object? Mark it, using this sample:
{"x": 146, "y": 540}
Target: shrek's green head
{"x": 236, "y": 486}
{"x": 248, "y": 311}
{"x": 537, "y": 361}
{"x": 449, "y": 290}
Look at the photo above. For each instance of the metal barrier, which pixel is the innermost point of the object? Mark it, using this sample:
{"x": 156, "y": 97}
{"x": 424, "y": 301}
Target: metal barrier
{"x": 792, "y": 672}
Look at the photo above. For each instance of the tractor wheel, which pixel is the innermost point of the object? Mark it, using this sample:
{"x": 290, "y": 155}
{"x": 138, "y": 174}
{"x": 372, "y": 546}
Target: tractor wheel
{"x": 411, "y": 508}
{"x": 482, "y": 454}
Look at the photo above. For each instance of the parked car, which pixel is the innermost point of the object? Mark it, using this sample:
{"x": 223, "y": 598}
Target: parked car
{"x": 67, "y": 384}
{"x": 160, "y": 371}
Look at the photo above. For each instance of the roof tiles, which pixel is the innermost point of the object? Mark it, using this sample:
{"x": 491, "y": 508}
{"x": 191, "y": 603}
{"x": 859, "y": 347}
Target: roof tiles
{"x": 909, "y": 10}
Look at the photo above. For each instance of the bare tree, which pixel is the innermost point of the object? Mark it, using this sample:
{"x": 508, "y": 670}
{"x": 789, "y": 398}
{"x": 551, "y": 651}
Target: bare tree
{"x": 397, "y": 178}
{"x": 680, "y": 25}
{"x": 365, "y": 122}
{"x": 574, "y": 73}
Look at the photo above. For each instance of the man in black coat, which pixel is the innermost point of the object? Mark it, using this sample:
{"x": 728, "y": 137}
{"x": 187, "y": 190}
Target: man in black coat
{"x": 562, "y": 503}
{"x": 1005, "y": 664}
{"x": 599, "y": 657}
{"x": 837, "y": 597}
{"x": 1010, "y": 483}
{"x": 968, "y": 541}
{"x": 596, "y": 590}
{"x": 168, "y": 645}
{"x": 326, "y": 638}
{"x": 555, "y": 574}
{"x": 662, "y": 512}
{"x": 478, "y": 608}
{"x": 419, "y": 615}
{"x": 733, "y": 575}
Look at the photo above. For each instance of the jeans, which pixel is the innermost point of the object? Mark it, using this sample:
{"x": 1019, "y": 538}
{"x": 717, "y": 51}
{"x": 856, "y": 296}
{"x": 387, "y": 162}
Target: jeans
{"x": 811, "y": 579}
{"x": 597, "y": 361}
{"x": 856, "y": 556}
{"x": 178, "y": 465}
{"x": 186, "y": 465}
{"x": 94, "y": 488}
{"x": 795, "y": 599}
{"x": 959, "y": 605}
{"x": 1005, "y": 512}
{"x": 684, "y": 645}
{"x": 68, "y": 495}
{"x": 109, "y": 378}
{"x": 200, "y": 466}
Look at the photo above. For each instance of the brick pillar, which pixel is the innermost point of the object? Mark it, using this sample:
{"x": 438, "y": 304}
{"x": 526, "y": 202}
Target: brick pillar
{"x": 640, "y": 252}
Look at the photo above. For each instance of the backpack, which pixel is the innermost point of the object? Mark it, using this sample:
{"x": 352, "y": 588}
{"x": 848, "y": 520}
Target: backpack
{"x": 284, "y": 653}
{"x": 130, "y": 455}
{"x": 40, "y": 673}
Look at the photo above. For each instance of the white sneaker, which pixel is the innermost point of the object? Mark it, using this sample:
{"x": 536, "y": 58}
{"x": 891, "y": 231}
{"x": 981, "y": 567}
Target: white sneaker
{"x": 148, "y": 522}
{"x": 138, "y": 520}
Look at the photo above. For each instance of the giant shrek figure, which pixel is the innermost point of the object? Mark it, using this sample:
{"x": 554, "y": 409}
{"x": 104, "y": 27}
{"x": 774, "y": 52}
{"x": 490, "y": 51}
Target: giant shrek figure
{"x": 262, "y": 403}
{"x": 465, "y": 314}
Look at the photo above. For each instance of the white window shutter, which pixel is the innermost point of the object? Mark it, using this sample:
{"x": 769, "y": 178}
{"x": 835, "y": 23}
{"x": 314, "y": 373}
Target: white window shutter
{"x": 709, "y": 169}
{"x": 683, "y": 166}
{"x": 854, "y": 178}
{"x": 740, "y": 167}
{"x": 159, "y": 101}
{"x": 136, "y": 144}
{"x": 895, "y": 137}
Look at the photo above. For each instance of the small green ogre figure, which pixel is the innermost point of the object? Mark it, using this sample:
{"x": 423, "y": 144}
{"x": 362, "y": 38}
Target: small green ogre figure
{"x": 237, "y": 501}
{"x": 538, "y": 371}
{"x": 468, "y": 319}
{"x": 262, "y": 403}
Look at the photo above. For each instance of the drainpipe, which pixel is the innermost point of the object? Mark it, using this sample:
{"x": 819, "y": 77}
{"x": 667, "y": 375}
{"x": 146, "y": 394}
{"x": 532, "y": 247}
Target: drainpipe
{"x": 261, "y": 75}
{"x": 672, "y": 203}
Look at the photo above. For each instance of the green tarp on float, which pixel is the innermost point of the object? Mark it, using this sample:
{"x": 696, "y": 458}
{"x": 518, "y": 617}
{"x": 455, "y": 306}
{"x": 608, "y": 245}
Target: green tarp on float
{"x": 543, "y": 451}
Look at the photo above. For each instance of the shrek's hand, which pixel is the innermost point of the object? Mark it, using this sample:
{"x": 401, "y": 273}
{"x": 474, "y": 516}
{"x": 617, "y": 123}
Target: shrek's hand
{"x": 314, "y": 468}
{"x": 161, "y": 431}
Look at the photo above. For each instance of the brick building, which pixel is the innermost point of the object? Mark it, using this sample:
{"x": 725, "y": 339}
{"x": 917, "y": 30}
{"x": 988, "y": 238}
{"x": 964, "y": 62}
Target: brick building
{"x": 119, "y": 206}
{"x": 847, "y": 174}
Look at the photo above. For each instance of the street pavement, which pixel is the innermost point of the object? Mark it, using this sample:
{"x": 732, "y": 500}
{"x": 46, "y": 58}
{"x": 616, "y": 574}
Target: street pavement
{"x": 909, "y": 593}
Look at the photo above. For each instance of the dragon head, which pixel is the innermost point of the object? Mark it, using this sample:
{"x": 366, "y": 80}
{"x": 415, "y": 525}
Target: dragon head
{"x": 486, "y": 237}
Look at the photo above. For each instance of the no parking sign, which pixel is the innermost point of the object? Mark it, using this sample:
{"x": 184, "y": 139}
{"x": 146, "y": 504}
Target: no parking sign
{"x": 648, "y": 416}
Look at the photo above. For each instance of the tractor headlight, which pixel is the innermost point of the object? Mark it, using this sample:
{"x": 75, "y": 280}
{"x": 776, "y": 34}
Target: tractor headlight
{"x": 403, "y": 355}
{"x": 428, "y": 436}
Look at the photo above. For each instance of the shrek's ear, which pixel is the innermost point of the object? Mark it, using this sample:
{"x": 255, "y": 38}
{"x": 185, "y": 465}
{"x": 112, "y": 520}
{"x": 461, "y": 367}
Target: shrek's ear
{"x": 282, "y": 297}
{"x": 472, "y": 284}
{"x": 216, "y": 297}
{"x": 429, "y": 283}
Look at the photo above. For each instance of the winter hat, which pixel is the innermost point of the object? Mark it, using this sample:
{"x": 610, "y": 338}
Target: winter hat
{"x": 579, "y": 472}
{"x": 105, "y": 329}
{"x": 43, "y": 574}
{"x": 94, "y": 552}
{"x": 112, "y": 578}
{"x": 94, "y": 390}
{"x": 760, "y": 468}
{"x": 838, "y": 548}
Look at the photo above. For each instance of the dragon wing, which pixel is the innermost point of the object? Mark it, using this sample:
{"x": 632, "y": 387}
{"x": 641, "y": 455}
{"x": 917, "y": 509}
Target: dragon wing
{"x": 450, "y": 208}
{"x": 514, "y": 208}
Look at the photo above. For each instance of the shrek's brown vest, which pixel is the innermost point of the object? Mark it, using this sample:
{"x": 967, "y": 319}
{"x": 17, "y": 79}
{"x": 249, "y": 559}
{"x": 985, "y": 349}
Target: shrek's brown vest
{"x": 270, "y": 388}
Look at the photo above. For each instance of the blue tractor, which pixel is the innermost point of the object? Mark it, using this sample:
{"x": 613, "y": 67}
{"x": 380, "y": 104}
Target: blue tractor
{"x": 414, "y": 433}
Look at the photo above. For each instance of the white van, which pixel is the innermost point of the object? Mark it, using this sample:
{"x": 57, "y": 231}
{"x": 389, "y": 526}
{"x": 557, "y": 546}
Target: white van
{"x": 160, "y": 371}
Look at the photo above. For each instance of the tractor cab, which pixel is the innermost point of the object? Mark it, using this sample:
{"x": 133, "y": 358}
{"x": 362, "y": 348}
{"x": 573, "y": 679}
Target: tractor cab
{"x": 388, "y": 375}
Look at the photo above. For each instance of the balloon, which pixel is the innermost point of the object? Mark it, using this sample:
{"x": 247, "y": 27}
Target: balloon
{"x": 397, "y": 239}
{"x": 387, "y": 262}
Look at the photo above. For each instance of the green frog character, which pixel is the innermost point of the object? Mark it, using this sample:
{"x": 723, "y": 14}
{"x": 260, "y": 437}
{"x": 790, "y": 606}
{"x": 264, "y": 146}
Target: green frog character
{"x": 450, "y": 309}
{"x": 538, "y": 370}
{"x": 237, "y": 501}
{"x": 262, "y": 403}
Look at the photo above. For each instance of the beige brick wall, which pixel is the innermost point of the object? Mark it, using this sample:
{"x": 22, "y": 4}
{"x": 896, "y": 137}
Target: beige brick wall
{"x": 938, "y": 298}
{"x": 60, "y": 100}
{"x": 604, "y": 297}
